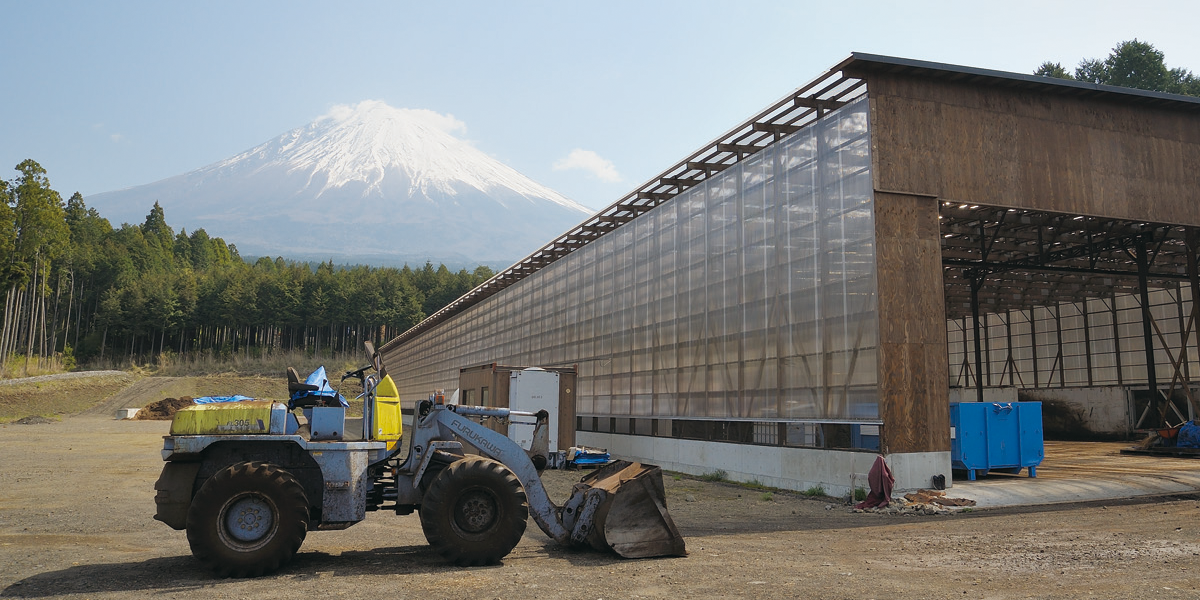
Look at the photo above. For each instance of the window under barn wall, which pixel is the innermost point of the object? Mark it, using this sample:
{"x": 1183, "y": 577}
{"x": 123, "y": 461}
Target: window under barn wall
{"x": 748, "y": 298}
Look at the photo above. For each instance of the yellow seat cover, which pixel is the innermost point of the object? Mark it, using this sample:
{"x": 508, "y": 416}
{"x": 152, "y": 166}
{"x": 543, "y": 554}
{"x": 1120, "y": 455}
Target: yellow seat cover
{"x": 387, "y": 424}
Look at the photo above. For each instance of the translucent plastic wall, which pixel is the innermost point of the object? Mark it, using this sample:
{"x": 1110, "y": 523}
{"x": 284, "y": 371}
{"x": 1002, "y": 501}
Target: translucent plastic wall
{"x": 751, "y": 296}
{"x": 1074, "y": 344}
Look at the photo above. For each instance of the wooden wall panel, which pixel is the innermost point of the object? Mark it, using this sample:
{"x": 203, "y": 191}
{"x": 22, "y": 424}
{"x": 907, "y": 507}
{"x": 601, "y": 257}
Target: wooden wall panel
{"x": 1022, "y": 149}
{"x": 913, "y": 389}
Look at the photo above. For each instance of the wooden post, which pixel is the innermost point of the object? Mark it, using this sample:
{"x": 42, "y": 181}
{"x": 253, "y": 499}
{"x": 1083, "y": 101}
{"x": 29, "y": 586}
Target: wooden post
{"x": 914, "y": 389}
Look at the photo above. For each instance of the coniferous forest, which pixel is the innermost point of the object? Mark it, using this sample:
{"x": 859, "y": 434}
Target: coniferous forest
{"x": 76, "y": 290}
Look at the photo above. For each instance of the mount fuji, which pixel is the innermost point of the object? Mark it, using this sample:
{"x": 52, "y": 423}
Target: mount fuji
{"x": 364, "y": 183}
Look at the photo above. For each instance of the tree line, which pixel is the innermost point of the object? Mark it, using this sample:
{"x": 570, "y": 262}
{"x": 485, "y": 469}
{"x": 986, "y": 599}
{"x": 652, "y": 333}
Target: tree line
{"x": 79, "y": 289}
{"x": 1133, "y": 64}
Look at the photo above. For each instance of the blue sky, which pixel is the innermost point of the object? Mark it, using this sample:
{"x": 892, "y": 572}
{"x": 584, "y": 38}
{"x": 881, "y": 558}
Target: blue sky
{"x": 589, "y": 98}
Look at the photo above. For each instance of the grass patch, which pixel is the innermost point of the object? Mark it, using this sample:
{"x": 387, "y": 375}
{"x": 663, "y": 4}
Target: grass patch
{"x": 18, "y": 365}
{"x": 766, "y": 497}
{"x": 268, "y": 364}
{"x": 52, "y": 399}
{"x": 717, "y": 476}
{"x": 814, "y": 491}
{"x": 860, "y": 494}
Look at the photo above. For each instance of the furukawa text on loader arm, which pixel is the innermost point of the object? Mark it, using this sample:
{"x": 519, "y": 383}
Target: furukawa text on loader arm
{"x": 248, "y": 480}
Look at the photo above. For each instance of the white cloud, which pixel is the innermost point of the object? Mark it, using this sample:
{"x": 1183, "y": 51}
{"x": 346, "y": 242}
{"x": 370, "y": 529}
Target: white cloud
{"x": 116, "y": 137}
{"x": 444, "y": 122}
{"x": 586, "y": 160}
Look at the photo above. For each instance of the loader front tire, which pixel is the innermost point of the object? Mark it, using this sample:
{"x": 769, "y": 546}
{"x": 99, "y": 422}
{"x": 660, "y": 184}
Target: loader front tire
{"x": 474, "y": 512}
{"x": 247, "y": 520}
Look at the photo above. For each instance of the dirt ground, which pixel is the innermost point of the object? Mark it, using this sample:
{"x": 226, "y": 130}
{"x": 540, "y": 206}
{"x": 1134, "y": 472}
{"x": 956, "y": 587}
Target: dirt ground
{"x": 76, "y": 502}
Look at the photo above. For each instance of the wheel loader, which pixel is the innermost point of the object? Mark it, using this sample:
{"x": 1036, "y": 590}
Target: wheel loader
{"x": 248, "y": 480}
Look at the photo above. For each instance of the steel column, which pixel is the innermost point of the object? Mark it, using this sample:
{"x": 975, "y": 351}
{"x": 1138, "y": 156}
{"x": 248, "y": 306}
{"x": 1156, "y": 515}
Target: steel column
{"x": 975, "y": 285}
{"x": 1062, "y": 356}
{"x": 1112, "y": 307}
{"x": 1143, "y": 266}
{"x": 1192, "y": 240}
{"x": 1033, "y": 345}
{"x": 1087, "y": 340}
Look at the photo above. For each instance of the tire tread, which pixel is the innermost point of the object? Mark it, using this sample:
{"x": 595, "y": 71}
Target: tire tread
{"x": 291, "y": 521}
{"x": 439, "y": 500}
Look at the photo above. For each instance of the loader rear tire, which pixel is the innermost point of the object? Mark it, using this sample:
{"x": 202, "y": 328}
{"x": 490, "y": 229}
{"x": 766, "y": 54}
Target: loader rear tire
{"x": 474, "y": 512}
{"x": 247, "y": 520}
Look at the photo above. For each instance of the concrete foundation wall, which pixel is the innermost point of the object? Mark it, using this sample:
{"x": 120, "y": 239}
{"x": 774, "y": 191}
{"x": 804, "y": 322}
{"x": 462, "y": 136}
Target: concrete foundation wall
{"x": 1083, "y": 413}
{"x": 998, "y": 395}
{"x": 837, "y": 471}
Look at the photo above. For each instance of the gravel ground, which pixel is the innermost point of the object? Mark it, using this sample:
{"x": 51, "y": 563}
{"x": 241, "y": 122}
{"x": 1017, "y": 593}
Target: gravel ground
{"x": 76, "y": 502}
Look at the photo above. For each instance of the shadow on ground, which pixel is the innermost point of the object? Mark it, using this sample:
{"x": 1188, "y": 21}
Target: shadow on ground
{"x": 183, "y": 573}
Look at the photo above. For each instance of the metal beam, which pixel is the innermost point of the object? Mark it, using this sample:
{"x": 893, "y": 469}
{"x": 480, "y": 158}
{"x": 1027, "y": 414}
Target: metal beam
{"x": 1044, "y": 259}
{"x": 975, "y": 285}
{"x": 679, "y": 182}
{"x": 707, "y": 167}
{"x": 778, "y": 129}
{"x": 739, "y": 148}
{"x": 972, "y": 265}
{"x": 655, "y": 196}
{"x": 1147, "y": 335}
{"x": 822, "y": 105}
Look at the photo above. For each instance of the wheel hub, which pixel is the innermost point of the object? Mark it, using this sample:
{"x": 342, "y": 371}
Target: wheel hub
{"x": 476, "y": 512}
{"x": 248, "y": 519}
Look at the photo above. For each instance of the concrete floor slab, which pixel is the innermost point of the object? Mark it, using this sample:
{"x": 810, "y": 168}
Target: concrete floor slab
{"x": 1080, "y": 472}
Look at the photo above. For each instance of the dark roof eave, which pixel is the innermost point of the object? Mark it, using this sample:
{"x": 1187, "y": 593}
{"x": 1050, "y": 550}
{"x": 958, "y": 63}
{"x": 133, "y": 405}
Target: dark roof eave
{"x": 865, "y": 62}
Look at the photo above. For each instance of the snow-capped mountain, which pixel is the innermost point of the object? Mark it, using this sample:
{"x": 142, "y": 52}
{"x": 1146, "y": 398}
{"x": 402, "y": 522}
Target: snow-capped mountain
{"x": 365, "y": 182}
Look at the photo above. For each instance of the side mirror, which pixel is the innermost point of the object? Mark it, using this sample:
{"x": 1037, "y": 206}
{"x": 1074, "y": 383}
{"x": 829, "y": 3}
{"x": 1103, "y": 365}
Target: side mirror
{"x": 374, "y": 357}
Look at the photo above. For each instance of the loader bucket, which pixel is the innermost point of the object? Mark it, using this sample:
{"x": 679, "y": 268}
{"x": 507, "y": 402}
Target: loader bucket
{"x": 632, "y": 519}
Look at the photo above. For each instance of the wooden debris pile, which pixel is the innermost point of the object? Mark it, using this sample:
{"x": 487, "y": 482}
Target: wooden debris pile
{"x": 921, "y": 502}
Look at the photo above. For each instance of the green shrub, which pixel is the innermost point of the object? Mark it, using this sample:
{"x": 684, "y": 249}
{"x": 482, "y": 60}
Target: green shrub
{"x": 718, "y": 475}
{"x": 814, "y": 491}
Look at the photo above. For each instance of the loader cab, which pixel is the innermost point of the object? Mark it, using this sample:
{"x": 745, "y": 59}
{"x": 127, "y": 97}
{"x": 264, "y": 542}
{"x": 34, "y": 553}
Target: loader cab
{"x": 323, "y": 410}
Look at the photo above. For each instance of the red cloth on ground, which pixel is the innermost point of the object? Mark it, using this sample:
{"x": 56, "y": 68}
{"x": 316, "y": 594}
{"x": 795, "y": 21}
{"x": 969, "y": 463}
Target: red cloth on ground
{"x": 881, "y": 480}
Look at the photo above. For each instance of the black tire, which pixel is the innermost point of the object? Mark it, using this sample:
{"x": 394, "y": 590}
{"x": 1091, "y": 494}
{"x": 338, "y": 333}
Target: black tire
{"x": 474, "y": 512}
{"x": 231, "y": 545}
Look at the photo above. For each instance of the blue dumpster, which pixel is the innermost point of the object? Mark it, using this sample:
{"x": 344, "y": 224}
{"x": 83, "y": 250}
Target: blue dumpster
{"x": 1005, "y": 437}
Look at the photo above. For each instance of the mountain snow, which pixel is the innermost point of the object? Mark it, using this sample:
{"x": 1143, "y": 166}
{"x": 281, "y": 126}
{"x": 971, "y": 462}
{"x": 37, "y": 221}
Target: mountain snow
{"x": 365, "y": 182}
